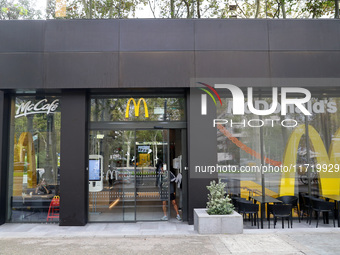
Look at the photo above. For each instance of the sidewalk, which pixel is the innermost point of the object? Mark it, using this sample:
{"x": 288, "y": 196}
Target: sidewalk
{"x": 161, "y": 238}
{"x": 161, "y": 228}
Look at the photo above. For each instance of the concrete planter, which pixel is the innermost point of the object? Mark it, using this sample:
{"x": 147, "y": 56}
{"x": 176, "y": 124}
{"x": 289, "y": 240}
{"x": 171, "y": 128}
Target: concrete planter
{"x": 217, "y": 224}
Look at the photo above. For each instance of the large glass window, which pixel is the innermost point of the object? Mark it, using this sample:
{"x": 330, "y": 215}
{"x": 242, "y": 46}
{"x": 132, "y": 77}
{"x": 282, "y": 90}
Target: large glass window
{"x": 281, "y": 155}
{"x": 34, "y": 159}
{"x": 241, "y": 142}
{"x": 138, "y": 109}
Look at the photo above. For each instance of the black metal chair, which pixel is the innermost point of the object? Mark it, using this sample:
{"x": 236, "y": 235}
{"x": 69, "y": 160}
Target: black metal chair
{"x": 246, "y": 207}
{"x": 292, "y": 200}
{"x": 305, "y": 205}
{"x": 235, "y": 200}
{"x": 283, "y": 211}
{"x": 320, "y": 205}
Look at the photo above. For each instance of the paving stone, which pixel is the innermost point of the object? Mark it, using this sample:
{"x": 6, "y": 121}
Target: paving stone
{"x": 162, "y": 238}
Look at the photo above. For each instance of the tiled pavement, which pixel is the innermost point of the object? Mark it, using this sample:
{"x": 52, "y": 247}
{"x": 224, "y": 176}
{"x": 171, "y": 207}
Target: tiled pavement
{"x": 163, "y": 238}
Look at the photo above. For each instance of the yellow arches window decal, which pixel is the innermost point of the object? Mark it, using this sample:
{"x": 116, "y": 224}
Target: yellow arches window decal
{"x": 330, "y": 179}
{"x": 24, "y": 149}
{"x": 136, "y": 107}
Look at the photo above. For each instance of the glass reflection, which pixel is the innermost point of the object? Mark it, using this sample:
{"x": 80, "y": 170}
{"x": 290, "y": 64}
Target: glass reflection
{"x": 34, "y": 173}
{"x": 138, "y": 109}
{"x": 300, "y": 157}
{"x": 129, "y": 186}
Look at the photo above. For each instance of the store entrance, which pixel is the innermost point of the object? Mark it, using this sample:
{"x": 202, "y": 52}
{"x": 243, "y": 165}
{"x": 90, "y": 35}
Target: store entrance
{"x": 129, "y": 174}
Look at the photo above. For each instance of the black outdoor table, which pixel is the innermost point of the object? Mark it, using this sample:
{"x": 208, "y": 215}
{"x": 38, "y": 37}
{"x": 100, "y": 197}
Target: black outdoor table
{"x": 263, "y": 200}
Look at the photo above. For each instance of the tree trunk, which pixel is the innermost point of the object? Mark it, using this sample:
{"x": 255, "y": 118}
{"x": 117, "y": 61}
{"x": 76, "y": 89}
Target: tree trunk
{"x": 187, "y": 4}
{"x": 198, "y": 9}
{"x": 128, "y": 150}
{"x": 119, "y": 7}
{"x": 172, "y": 9}
{"x": 336, "y": 15}
{"x": 152, "y": 8}
{"x": 86, "y": 8}
{"x": 257, "y": 8}
{"x": 111, "y": 11}
{"x": 90, "y": 9}
{"x": 283, "y": 9}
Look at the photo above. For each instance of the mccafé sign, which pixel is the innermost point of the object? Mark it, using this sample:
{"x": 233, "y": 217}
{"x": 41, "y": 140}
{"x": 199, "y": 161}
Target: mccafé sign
{"x": 29, "y": 108}
{"x": 136, "y": 107}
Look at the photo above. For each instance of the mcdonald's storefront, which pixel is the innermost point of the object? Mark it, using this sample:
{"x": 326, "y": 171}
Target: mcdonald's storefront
{"x": 91, "y": 129}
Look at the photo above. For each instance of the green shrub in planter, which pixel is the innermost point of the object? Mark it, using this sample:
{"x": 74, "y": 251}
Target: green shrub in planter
{"x": 218, "y": 204}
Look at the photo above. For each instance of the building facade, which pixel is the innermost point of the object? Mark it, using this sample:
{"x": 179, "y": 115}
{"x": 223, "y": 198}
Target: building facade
{"x": 97, "y": 113}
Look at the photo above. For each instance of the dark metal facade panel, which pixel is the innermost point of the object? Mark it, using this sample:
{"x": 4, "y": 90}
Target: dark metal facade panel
{"x": 3, "y": 181}
{"x": 4, "y": 117}
{"x": 21, "y": 36}
{"x": 156, "y": 69}
{"x": 305, "y": 64}
{"x": 238, "y": 64}
{"x": 163, "y": 35}
{"x": 197, "y": 195}
{"x": 73, "y": 148}
{"x": 82, "y": 70}
{"x": 82, "y": 35}
{"x": 311, "y": 83}
{"x": 158, "y": 53}
{"x": 304, "y": 35}
{"x": 202, "y": 151}
{"x": 21, "y": 70}
{"x": 231, "y": 35}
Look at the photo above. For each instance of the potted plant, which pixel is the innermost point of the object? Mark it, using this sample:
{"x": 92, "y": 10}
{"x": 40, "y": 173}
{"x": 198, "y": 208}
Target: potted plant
{"x": 218, "y": 203}
{"x": 219, "y": 217}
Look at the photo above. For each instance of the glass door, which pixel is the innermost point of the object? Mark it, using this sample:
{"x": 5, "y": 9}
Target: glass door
{"x": 128, "y": 175}
{"x": 152, "y": 182}
{"x": 112, "y": 176}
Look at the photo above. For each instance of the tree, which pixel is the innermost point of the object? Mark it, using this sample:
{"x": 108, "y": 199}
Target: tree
{"x": 286, "y": 8}
{"x": 107, "y": 9}
{"x": 187, "y": 8}
{"x": 95, "y": 9}
{"x": 21, "y": 9}
{"x": 317, "y": 9}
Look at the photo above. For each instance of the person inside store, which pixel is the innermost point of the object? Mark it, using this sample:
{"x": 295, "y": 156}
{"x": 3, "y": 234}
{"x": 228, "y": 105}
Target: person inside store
{"x": 158, "y": 171}
{"x": 42, "y": 188}
{"x": 164, "y": 192}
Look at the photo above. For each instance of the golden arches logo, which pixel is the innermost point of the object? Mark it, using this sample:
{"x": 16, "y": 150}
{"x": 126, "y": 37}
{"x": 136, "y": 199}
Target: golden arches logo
{"x": 330, "y": 179}
{"x": 24, "y": 152}
{"x": 136, "y": 107}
